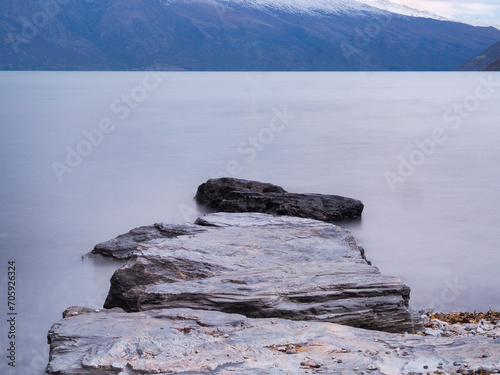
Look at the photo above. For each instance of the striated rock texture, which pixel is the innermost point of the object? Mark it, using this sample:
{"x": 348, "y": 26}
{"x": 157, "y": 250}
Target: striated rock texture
{"x": 124, "y": 245}
{"x": 236, "y": 195}
{"x": 184, "y": 341}
{"x": 258, "y": 265}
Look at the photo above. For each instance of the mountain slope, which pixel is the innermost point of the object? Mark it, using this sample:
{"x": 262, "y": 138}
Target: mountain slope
{"x": 483, "y": 61}
{"x": 229, "y": 35}
{"x": 492, "y": 67}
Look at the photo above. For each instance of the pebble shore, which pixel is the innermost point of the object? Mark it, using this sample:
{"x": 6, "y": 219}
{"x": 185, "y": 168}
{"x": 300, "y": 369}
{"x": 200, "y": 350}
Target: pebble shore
{"x": 445, "y": 327}
{"x": 450, "y": 325}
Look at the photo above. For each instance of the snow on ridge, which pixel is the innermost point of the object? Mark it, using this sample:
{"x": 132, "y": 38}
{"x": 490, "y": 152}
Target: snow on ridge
{"x": 485, "y": 23}
{"x": 314, "y": 7}
{"x": 328, "y": 6}
{"x": 401, "y": 9}
{"x": 298, "y": 6}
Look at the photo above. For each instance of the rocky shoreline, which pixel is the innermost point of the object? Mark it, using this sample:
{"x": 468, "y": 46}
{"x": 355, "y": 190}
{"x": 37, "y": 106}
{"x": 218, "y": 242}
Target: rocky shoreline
{"x": 269, "y": 290}
{"x": 186, "y": 341}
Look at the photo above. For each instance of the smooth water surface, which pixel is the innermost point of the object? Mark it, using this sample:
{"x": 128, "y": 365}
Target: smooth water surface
{"x": 419, "y": 149}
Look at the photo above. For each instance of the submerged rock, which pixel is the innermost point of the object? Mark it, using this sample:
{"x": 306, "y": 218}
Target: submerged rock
{"x": 185, "y": 341}
{"x": 236, "y": 195}
{"x": 260, "y": 266}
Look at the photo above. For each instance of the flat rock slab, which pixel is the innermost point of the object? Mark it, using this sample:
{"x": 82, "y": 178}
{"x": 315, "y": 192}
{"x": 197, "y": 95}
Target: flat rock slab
{"x": 184, "y": 341}
{"x": 236, "y": 195}
{"x": 258, "y": 265}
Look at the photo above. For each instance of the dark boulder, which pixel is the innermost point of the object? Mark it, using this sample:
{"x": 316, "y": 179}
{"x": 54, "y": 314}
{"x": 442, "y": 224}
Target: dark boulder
{"x": 236, "y": 195}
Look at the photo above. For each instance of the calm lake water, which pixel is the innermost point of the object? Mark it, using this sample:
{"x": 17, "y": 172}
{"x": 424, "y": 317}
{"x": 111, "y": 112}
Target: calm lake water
{"x": 87, "y": 156}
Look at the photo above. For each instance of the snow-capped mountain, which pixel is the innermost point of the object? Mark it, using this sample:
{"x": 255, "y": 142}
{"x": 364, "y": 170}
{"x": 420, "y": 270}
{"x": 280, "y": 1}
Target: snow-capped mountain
{"x": 232, "y": 35}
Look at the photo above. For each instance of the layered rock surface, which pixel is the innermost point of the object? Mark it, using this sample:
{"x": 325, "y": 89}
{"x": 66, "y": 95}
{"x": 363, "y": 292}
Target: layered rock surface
{"x": 236, "y": 195}
{"x": 185, "y": 341}
{"x": 258, "y": 265}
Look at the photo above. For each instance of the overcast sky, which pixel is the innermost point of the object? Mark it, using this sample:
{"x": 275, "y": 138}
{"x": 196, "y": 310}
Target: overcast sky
{"x": 458, "y": 9}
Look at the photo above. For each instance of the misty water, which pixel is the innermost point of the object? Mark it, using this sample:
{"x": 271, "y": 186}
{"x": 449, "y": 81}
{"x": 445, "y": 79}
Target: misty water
{"x": 421, "y": 150}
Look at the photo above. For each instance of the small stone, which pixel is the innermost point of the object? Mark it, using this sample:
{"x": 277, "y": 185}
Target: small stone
{"x": 372, "y": 367}
{"x": 433, "y": 332}
{"x": 339, "y": 361}
{"x": 291, "y": 351}
{"x": 426, "y": 367}
{"x": 314, "y": 364}
{"x": 469, "y": 327}
{"x": 310, "y": 364}
{"x": 355, "y": 369}
{"x": 456, "y": 363}
{"x": 486, "y": 369}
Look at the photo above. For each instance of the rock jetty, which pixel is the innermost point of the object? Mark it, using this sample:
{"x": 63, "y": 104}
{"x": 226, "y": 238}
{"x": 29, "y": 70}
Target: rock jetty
{"x": 254, "y": 293}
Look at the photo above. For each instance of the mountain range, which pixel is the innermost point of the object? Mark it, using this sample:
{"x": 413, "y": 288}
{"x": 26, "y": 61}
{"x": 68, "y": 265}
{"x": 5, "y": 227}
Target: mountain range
{"x": 232, "y": 35}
